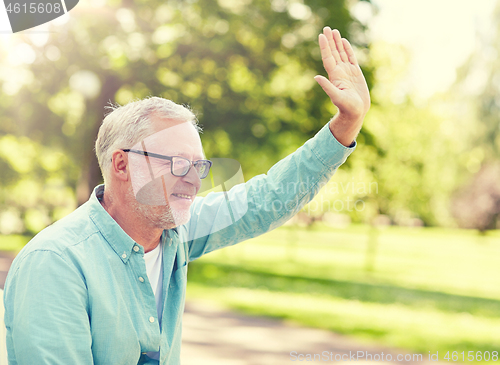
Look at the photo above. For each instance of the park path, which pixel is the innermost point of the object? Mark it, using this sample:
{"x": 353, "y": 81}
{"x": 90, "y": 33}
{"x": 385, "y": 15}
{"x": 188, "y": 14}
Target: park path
{"x": 216, "y": 336}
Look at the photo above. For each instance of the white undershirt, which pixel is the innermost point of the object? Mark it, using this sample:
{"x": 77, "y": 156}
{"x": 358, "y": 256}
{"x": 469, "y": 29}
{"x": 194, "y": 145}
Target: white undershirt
{"x": 154, "y": 260}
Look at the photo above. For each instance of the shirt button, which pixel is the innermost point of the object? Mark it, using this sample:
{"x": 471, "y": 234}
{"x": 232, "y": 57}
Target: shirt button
{"x": 141, "y": 279}
{"x": 136, "y": 248}
{"x": 151, "y": 319}
{"x": 124, "y": 255}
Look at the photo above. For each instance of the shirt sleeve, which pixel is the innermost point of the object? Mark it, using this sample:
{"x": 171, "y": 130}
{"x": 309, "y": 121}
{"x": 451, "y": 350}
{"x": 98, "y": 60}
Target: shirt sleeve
{"x": 49, "y": 323}
{"x": 265, "y": 201}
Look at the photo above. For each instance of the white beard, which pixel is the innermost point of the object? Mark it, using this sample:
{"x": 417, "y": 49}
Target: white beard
{"x": 160, "y": 216}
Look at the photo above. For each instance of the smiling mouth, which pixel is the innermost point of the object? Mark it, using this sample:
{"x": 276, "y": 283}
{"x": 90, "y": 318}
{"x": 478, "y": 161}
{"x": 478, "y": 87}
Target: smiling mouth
{"x": 184, "y": 196}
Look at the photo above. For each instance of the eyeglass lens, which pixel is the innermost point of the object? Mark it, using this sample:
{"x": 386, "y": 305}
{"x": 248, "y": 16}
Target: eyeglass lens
{"x": 181, "y": 167}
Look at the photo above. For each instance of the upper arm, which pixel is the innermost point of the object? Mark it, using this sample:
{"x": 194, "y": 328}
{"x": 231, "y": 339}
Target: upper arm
{"x": 216, "y": 221}
{"x": 46, "y": 315}
{"x": 266, "y": 201}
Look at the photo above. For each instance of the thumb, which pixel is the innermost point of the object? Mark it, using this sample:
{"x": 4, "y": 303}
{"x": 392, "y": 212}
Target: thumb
{"x": 332, "y": 91}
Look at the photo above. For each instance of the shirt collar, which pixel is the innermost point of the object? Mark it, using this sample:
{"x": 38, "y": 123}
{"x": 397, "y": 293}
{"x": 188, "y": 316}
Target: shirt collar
{"x": 119, "y": 241}
{"x": 117, "y": 238}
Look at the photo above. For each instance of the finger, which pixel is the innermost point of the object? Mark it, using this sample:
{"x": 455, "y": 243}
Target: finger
{"x": 350, "y": 52}
{"x": 329, "y": 62}
{"x": 333, "y": 92}
{"x": 331, "y": 42}
{"x": 339, "y": 45}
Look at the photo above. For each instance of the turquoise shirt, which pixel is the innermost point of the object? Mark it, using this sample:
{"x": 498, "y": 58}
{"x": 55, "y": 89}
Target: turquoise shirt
{"x": 78, "y": 293}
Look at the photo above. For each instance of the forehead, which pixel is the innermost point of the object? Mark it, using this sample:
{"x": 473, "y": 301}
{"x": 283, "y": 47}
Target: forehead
{"x": 172, "y": 136}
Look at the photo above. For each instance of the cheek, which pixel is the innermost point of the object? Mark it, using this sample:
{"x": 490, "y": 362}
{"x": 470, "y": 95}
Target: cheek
{"x": 168, "y": 183}
{"x": 139, "y": 171}
{"x": 160, "y": 170}
{"x": 163, "y": 185}
{"x": 155, "y": 192}
{"x": 151, "y": 193}
{"x": 142, "y": 174}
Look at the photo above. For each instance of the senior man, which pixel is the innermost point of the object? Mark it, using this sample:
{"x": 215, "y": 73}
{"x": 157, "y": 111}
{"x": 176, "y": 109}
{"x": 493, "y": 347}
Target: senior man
{"x": 106, "y": 284}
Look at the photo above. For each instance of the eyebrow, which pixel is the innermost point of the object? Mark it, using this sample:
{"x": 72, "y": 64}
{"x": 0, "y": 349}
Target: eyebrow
{"x": 183, "y": 154}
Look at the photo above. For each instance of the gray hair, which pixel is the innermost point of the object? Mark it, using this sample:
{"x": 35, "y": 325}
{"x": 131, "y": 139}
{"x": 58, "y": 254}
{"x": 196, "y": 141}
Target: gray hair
{"x": 124, "y": 126}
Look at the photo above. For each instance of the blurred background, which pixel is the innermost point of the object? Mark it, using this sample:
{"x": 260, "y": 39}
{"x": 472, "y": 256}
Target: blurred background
{"x": 399, "y": 249}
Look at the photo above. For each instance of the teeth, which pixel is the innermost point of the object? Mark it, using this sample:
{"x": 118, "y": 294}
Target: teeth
{"x": 183, "y": 196}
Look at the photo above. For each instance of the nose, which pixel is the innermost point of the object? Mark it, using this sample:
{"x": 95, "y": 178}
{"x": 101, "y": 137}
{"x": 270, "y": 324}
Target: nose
{"x": 192, "y": 178}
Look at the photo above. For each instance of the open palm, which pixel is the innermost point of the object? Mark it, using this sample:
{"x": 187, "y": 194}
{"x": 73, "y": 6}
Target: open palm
{"x": 346, "y": 85}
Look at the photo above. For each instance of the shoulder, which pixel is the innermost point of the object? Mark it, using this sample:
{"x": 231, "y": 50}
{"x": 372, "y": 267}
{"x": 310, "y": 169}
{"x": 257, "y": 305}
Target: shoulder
{"x": 62, "y": 237}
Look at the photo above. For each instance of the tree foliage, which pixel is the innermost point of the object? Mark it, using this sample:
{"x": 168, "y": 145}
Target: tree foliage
{"x": 402, "y": 169}
{"x": 245, "y": 67}
{"x": 476, "y": 203}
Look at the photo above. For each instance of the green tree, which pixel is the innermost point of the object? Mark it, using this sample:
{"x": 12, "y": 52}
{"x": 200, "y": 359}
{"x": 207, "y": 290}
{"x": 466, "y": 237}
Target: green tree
{"x": 405, "y": 171}
{"x": 246, "y": 67}
{"x": 476, "y": 203}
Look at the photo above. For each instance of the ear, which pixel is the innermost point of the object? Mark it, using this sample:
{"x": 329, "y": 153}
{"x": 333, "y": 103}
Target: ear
{"x": 119, "y": 165}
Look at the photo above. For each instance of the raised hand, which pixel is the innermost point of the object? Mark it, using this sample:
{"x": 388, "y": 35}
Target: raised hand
{"x": 346, "y": 85}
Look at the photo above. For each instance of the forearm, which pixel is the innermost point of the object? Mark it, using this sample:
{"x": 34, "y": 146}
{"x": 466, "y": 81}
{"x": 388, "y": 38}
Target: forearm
{"x": 345, "y": 129}
{"x": 266, "y": 201}
{"x": 294, "y": 181}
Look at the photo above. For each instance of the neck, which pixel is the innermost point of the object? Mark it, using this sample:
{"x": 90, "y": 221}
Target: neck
{"x": 137, "y": 227}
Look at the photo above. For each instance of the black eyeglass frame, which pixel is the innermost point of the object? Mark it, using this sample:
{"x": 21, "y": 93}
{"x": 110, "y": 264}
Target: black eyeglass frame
{"x": 170, "y": 158}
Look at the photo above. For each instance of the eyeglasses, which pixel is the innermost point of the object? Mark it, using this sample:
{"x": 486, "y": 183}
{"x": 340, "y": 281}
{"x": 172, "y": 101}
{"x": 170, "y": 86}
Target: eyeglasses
{"x": 179, "y": 166}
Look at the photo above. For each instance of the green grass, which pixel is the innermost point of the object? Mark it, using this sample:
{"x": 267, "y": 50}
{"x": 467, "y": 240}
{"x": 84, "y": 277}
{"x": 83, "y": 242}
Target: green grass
{"x": 420, "y": 289}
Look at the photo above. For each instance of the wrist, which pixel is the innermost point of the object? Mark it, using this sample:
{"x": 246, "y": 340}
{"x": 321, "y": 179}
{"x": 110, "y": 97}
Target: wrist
{"x": 345, "y": 129}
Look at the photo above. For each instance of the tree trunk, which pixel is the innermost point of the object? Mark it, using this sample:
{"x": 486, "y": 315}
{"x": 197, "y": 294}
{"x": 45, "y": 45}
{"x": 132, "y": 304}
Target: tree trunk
{"x": 90, "y": 175}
